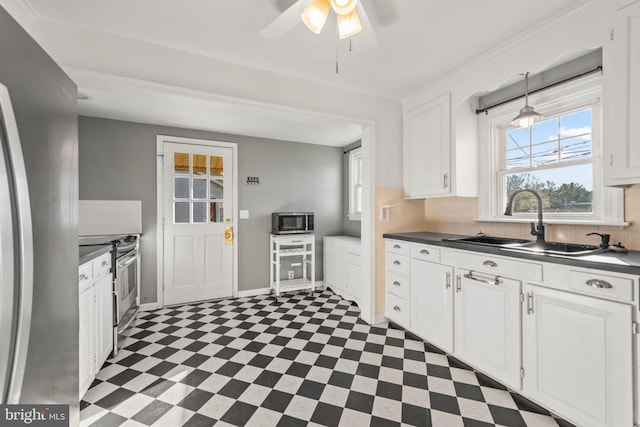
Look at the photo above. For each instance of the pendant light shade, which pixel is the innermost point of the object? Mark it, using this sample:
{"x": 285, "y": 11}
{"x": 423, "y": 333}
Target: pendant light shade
{"x": 343, "y": 7}
{"x": 315, "y": 15}
{"x": 527, "y": 116}
{"x": 349, "y": 25}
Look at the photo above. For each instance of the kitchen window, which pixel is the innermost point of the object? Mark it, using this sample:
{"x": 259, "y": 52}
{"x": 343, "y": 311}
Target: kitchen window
{"x": 559, "y": 157}
{"x": 355, "y": 184}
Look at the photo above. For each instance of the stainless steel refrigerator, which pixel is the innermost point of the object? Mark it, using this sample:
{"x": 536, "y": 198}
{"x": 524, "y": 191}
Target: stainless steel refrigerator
{"x": 38, "y": 225}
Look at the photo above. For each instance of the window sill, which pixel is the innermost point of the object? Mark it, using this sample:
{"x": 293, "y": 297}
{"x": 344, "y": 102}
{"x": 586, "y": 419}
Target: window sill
{"x": 555, "y": 221}
{"x": 355, "y": 217}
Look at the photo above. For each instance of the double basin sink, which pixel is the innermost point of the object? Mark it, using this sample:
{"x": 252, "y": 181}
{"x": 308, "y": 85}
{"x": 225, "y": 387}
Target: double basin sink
{"x": 528, "y": 246}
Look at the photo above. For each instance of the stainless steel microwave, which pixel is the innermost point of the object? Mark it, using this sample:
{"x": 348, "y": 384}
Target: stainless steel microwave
{"x": 291, "y": 222}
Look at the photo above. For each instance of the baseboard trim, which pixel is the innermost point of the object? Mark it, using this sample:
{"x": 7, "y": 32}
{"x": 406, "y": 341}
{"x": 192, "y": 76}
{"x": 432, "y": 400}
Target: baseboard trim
{"x": 381, "y": 318}
{"x": 150, "y": 306}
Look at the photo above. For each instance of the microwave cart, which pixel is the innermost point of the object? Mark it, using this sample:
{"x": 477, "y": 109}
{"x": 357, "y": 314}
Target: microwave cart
{"x": 292, "y": 263}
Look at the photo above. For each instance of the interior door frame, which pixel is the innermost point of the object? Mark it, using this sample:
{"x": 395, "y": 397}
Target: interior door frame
{"x": 193, "y": 142}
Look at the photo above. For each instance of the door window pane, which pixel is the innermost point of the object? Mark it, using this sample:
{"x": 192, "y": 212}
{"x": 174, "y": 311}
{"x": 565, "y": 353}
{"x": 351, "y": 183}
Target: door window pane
{"x": 181, "y": 163}
{"x": 199, "y": 212}
{"x": 217, "y": 188}
{"x": 199, "y": 164}
{"x": 199, "y": 188}
{"x": 181, "y": 212}
{"x": 216, "y": 212}
{"x": 217, "y": 166}
{"x": 181, "y": 188}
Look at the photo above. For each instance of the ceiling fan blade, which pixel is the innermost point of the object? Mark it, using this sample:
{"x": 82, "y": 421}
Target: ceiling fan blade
{"x": 365, "y": 39}
{"x": 284, "y": 22}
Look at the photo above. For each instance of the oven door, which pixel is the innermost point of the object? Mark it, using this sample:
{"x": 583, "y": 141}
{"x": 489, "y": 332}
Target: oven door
{"x": 126, "y": 284}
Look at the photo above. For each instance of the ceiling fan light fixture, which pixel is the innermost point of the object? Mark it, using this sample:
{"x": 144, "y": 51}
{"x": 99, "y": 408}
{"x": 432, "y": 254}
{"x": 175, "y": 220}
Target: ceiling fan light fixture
{"x": 315, "y": 15}
{"x": 343, "y": 7}
{"x": 527, "y": 115}
{"x": 349, "y": 25}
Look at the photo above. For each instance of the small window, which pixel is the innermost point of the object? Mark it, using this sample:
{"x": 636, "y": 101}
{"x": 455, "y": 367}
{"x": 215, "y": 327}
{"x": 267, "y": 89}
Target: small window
{"x": 355, "y": 184}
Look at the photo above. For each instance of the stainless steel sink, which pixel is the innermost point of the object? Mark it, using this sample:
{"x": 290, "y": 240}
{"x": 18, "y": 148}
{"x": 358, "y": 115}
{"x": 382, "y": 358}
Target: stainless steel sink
{"x": 521, "y": 245}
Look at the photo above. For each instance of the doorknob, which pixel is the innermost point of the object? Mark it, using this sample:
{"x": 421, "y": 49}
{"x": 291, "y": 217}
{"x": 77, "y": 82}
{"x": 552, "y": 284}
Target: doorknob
{"x": 228, "y": 235}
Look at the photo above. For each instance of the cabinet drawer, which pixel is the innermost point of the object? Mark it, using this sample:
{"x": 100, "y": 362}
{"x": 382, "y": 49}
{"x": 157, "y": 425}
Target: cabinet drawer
{"x": 354, "y": 248}
{"x": 294, "y": 240}
{"x": 85, "y": 276}
{"x": 101, "y": 266}
{"x": 398, "y": 285}
{"x": 398, "y": 247}
{"x": 398, "y": 310}
{"x": 397, "y": 263}
{"x": 494, "y": 265}
{"x": 353, "y": 259}
{"x": 425, "y": 253}
{"x": 592, "y": 282}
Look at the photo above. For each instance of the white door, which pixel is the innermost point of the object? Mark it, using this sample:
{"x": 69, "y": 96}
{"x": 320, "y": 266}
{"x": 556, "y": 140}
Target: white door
{"x": 432, "y": 303}
{"x": 198, "y": 229}
{"x": 578, "y": 357}
{"x": 487, "y": 325}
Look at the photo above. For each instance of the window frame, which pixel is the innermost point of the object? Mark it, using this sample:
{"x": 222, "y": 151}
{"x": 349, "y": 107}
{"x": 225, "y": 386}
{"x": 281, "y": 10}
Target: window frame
{"x": 608, "y": 203}
{"x": 355, "y": 182}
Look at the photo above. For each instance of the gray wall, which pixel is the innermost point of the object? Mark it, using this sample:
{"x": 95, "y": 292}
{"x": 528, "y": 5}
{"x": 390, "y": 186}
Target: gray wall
{"x": 118, "y": 162}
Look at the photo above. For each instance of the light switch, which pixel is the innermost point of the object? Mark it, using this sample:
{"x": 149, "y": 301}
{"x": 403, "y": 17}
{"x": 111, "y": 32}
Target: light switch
{"x": 244, "y": 214}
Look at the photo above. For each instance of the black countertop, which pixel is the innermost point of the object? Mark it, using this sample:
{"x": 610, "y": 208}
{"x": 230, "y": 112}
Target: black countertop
{"x": 87, "y": 253}
{"x": 610, "y": 261}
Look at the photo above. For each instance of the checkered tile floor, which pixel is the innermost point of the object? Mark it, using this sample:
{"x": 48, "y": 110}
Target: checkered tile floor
{"x": 302, "y": 361}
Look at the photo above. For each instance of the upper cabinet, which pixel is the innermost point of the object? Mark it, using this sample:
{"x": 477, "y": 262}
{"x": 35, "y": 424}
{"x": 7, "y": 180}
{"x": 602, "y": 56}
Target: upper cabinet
{"x": 622, "y": 147}
{"x": 438, "y": 161}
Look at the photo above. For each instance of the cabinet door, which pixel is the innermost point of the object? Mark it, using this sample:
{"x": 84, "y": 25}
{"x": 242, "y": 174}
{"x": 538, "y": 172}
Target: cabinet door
{"x": 623, "y": 162}
{"x": 86, "y": 343}
{"x": 103, "y": 313}
{"x": 354, "y": 275}
{"x": 578, "y": 357}
{"x": 432, "y": 303}
{"x": 487, "y": 325}
{"x": 335, "y": 253}
{"x": 427, "y": 149}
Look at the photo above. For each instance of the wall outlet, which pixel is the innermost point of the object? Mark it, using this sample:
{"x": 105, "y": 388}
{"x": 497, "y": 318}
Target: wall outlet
{"x": 290, "y": 274}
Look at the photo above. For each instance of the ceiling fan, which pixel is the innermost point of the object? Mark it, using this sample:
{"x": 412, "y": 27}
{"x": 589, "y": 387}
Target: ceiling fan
{"x": 352, "y": 20}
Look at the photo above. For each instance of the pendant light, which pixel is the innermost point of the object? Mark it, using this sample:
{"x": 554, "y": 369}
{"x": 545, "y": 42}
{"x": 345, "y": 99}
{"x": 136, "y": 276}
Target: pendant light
{"x": 315, "y": 15}
{"x": 527, "y": 115}
{"x": 349, "y": 25}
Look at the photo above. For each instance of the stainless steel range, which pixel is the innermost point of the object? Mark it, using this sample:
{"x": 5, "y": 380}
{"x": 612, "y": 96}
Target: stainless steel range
{"x": 125, "y": 255}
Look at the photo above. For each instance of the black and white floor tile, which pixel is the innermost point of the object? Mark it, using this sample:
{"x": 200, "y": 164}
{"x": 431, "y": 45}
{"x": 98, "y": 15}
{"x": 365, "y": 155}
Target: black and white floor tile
{"x": 304, "y": 360}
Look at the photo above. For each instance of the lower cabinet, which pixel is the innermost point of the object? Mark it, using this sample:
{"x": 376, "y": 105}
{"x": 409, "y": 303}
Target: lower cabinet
{"x": 342, "y": 266}
{"x": 432, "y": 303}
{"x": 578, "y": 356}
{"x": 487, "y": 325}
{"x": 95, "y": 333}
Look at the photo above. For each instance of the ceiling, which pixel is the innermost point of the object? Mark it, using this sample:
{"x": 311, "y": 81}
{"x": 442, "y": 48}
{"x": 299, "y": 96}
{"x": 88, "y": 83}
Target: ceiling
{"x": 419, "y": 41}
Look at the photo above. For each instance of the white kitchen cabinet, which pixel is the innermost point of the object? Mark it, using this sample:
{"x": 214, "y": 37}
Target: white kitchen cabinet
{"x": 95, "y": 318}
{"x": 397, "y": 307}
{"x": 427, "y": 149}
{"x": 432, "y": 303}
{"x": 622, "y": 130}
{"x": 342, "y": 266}
{"x": 578, "y": 356}
{"x": 487, "y": 324}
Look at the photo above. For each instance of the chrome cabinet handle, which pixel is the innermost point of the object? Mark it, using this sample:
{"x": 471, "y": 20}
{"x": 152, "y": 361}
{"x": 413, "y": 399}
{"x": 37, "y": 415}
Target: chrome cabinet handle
{"x": 396, "y": 308}
{"x": 496, "y": 281}
{"x": 458, "y": 283}
{"x": 424, "y": 252}
{"x": 105, "y": 263}
{"x": 396, "y": 262}
{"x": 396, "y": 283}
{"x": 83, "y": 276}
{"x": 599, "y": 284}
{"x": 446, "y": 180}
{"x": 529, "y": 302}
{"x": 396, "y": 246}
{"x": 489, "y": 263}
{"x": 448, "y": 280}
